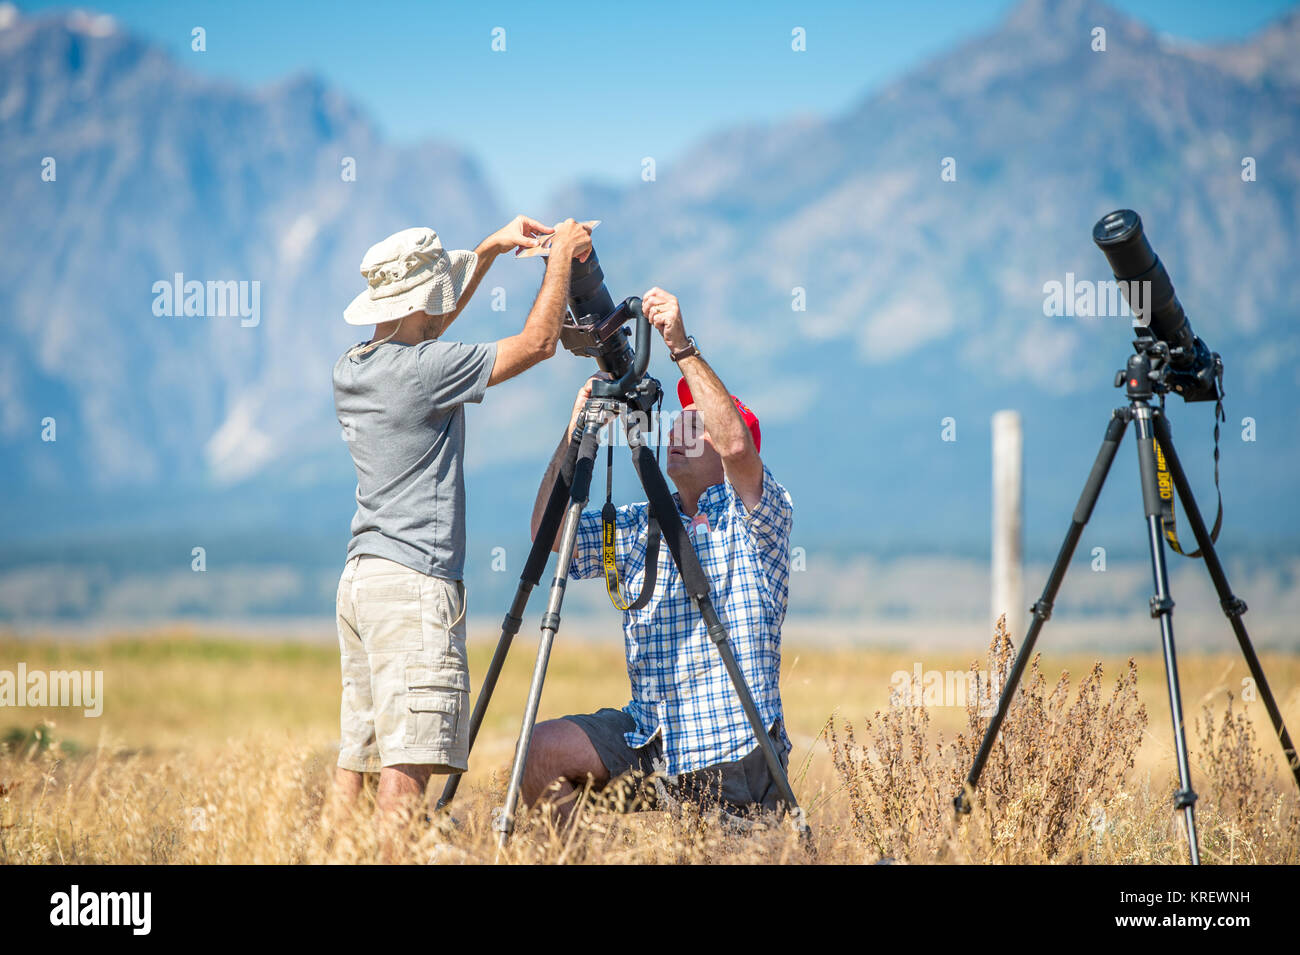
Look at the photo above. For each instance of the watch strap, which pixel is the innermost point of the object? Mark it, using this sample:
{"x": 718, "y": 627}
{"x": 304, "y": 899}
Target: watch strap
{"x": 691, "y": 349}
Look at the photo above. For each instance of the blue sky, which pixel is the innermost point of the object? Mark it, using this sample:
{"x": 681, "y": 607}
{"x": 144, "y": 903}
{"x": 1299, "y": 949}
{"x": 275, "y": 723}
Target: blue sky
{"x": 585, "y": 90}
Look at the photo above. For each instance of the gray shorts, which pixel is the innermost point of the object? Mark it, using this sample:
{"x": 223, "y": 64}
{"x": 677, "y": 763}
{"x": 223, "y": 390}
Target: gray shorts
{"x": 741, "y": 786}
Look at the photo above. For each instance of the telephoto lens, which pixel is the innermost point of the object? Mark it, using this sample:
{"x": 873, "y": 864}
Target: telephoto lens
{"x": 1120, "y": 237}
{"x": 594, "y": 327}
{"x": 589, "y": 299}
{"x": 1193, "y": 371}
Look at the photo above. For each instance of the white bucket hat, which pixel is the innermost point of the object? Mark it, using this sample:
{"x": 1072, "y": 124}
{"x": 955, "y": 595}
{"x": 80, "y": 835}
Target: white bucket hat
{"x": 408, "y": 272}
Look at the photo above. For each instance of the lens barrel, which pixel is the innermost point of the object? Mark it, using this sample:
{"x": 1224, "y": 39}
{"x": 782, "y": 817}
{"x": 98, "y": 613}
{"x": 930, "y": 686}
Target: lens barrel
{"x": 1120, "y": 237}
{"x": 595, "y": 327}
{"x": 587, "y": 292}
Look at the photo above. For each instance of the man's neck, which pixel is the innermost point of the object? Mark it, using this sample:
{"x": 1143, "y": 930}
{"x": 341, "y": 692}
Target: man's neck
{"x": 689, "y": 500}
{"x": 411, "y": 330}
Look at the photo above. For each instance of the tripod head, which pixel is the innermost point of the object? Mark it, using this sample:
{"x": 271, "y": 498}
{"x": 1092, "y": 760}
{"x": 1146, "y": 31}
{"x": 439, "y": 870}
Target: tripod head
{"x": 633, "y": 386}
{"x": 1150, "y": 372}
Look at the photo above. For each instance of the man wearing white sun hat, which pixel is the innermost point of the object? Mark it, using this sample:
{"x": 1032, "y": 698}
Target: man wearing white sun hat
{"x": 399, "y": 398}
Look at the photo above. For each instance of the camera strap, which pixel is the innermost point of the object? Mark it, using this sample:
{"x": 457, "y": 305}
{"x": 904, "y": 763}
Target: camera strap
{"x": 1166, "y": 485}
{"x": 608, "y": 518}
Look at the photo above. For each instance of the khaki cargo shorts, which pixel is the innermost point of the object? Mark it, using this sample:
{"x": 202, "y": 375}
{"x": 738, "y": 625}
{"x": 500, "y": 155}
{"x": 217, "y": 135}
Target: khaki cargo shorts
{"x": 405, "y": 673}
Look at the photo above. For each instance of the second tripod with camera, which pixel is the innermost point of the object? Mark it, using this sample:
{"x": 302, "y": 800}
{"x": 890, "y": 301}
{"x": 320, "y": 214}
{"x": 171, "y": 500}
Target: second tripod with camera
{"x": 1169, "y": 359}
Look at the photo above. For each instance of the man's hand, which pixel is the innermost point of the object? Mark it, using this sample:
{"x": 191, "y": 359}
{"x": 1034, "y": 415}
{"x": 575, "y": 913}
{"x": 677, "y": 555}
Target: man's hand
{"x": 521, "y": 232}
{"x": 572, "y": 240}
{"x": 557, "y": 459}
{"x": 665, "y": 314}
{"x": 581, "y": 401}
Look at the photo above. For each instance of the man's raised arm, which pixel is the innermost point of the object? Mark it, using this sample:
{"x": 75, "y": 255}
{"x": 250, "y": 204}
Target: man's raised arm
{"x": 541, "y": 331}
{"x": 718, "y": 413}
{"x": 520, "y": 232}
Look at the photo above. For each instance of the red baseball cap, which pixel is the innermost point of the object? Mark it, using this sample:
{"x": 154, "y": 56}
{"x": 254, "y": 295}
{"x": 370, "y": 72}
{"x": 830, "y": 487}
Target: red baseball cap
{"x": 751, "y": 419}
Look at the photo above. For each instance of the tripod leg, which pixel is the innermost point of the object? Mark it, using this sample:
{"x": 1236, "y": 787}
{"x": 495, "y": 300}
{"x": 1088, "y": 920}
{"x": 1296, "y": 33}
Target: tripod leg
{"x": 1162, "y": 607}
{"x": 538, "y": 555}
{"x": 578, "y": 493}
{"x": 697, "y": 584}
{"x": 1233, "y": 606}
{"x": 1042, "y": 608}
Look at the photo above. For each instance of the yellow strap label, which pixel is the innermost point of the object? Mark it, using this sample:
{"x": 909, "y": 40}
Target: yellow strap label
{"x": 613, "y": 586}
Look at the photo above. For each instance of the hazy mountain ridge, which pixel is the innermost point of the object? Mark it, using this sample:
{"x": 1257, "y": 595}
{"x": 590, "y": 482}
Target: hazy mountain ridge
{"x": 158, "y": 172}
{"x": 924, "y": 297}
{"x": 1268, "y": 58}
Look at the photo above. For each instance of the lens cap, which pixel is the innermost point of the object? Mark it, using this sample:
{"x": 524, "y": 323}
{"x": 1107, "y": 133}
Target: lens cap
{"x": 1116, "y": 228}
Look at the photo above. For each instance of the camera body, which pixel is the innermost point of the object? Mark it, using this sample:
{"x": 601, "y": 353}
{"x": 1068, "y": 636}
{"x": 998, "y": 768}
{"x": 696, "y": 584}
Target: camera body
{"x": 597, "y": 328}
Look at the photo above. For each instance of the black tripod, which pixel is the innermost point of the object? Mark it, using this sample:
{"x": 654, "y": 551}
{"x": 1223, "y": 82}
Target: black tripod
{"x": 1142, "y": 383}
{"x": 567, "y": 500}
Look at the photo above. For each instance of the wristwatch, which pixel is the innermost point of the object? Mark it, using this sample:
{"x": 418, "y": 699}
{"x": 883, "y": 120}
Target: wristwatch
{"x": 690, "y": 350}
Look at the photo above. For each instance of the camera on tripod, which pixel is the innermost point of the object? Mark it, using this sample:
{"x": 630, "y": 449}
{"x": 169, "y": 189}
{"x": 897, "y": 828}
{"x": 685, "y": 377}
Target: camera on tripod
{"x": 1180, "y": 360}
{"x": 1169, "y": 357}
{"x": 597, "y": 328}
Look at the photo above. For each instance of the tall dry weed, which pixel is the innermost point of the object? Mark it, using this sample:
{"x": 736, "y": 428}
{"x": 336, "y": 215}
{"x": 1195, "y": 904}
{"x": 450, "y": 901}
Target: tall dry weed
{"x": 1059, "y": 787}
{"x": 1249, "y": 812}
{"x": 1056, "y": 766}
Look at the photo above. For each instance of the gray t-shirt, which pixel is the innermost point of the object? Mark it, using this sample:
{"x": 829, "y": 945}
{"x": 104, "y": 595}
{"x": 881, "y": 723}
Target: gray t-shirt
{"x": 401, "y": 409}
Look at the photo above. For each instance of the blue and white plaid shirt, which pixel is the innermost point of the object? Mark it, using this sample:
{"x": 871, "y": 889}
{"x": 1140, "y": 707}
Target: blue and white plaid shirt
{"x": 680, "y": 688}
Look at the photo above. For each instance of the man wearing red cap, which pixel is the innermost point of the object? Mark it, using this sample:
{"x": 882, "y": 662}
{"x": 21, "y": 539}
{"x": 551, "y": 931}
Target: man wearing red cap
{"x": 684, "y": 723}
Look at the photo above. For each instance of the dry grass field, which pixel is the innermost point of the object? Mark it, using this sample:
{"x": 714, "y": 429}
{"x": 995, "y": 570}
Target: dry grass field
{"x": 220, "y": 751}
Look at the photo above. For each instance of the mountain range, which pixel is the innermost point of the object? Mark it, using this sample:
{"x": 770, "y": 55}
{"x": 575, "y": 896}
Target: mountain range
{"x": 861, "y": 279}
